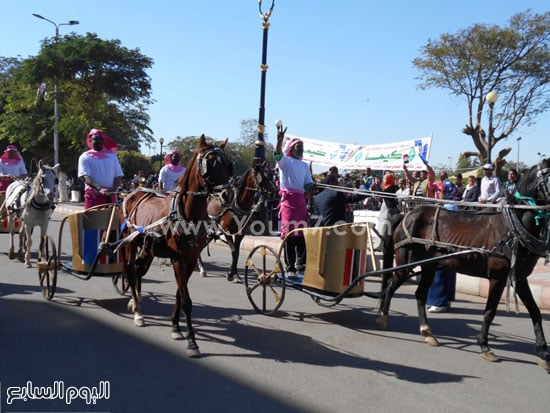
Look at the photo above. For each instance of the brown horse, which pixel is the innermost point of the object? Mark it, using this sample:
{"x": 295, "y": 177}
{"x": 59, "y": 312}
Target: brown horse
{"x": 253, "y": 190}
{"x": 174, "y": 226}
{"x": 509, "y": 244}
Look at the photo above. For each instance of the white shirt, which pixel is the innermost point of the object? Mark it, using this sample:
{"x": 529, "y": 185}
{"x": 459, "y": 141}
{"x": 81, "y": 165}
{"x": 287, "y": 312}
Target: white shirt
{"x": 102, "y": 171}
{"x": 294, "y": 173}
{"x": 16, "y": 170}
{"x": 490, "y": 188}
{"x": 169, "y": 177}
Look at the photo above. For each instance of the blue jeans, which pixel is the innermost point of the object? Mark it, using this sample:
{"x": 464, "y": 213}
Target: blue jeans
{"x": 442, "y": 290}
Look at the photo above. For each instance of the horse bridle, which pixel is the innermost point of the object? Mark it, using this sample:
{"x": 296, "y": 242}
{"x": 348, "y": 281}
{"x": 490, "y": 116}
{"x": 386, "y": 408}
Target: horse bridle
{"x": 543, "y": 182}
{"x": 204, "y": 163}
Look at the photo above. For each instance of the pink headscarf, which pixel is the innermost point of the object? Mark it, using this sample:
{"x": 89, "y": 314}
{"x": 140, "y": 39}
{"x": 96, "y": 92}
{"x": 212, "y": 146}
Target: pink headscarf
{"x": 6, "y": 160}
{"x": 169, "y": 164}
{"x": 108, "y": 144}
{"x": 290, "y": 146}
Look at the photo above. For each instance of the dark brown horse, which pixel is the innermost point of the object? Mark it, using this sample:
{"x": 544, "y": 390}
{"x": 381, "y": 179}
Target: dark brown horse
{"x": 253, "y": 193}
{"x": 174, "y": 226}
{"x": 509, "y": 242}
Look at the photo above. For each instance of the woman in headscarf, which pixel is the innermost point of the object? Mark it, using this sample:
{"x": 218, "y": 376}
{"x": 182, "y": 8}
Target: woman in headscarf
{"x": 171, "y": 171}
{"x": 100, "y": 169}
{"x": 12, "y": 167}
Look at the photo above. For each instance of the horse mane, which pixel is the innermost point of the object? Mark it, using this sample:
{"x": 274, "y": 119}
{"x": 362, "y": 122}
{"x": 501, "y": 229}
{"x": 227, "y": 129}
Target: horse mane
{"x": 184, "y": 180}
{"x": 240, "y": 185}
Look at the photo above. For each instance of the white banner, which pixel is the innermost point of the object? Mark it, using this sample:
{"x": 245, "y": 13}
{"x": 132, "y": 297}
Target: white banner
{"x": 387, "y": 156}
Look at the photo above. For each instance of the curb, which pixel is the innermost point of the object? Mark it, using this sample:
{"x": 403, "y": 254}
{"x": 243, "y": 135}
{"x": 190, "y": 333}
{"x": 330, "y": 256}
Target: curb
{"x": 539, "y": 280}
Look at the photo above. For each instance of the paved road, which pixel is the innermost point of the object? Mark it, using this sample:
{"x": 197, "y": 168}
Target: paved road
{"x": 306, "y": 359}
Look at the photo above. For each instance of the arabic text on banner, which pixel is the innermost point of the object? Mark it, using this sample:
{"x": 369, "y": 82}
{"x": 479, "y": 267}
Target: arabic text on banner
{"x": 390, "y": 156}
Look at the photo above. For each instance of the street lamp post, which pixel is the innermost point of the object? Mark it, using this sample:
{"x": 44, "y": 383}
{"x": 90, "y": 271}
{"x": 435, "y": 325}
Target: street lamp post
{"x": 491, "y": 99}
{"x": 259, "y": 152}
{"x": 517, "y": 163}
{"x": 161, "y": 141}
{"x": 450, "y": 164}
{"x": 541, "y": 156}
{"x": 55, "y": 105}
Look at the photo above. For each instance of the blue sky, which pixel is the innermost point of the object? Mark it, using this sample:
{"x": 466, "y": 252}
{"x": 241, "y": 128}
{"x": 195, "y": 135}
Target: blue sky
{"x": 339, "y": 71}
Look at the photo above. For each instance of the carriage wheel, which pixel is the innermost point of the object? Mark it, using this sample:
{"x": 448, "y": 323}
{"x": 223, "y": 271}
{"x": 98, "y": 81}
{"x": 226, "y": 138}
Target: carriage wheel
{"x": 120, "y": 282}
{"x": 264, "y": 280}
{"x": 47, "y": 267}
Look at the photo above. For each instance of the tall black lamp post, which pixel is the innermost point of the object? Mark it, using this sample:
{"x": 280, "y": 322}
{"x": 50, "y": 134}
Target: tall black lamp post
{"x": 55, "y": 106}
{"x": 161, "y": 141}
{"x": 259, "y": 152}
{"x": 517, "y": 163}
{"x": 491, "y": 99}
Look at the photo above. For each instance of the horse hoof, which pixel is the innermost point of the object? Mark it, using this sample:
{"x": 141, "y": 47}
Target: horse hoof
{"x": 28, "y": 265}
{"x": 139, "y": 321}
{"x": 429, "y": 338}
{"x": 545, "y": 364}
{"x": 11, "y": 255}
{"x": 382, "y": 322}
{"x": 203, "y": 274}
{"x": 237, "y": 280}
{"x": 431, "y": 341}
{"x": 229, "y": 278}
{"x": 176, "y": 335}
{"x": 489, "y": 356}
{"x": 193, "y": 352}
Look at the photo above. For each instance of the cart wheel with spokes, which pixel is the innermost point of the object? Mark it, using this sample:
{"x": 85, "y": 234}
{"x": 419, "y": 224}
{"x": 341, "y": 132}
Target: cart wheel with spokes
{"x": 47, "y": 267}
{"x": 264, "y": 279}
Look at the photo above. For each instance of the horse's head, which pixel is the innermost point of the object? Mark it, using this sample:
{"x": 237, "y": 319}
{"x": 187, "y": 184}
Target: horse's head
{"x": 265, "y": 181}
{"x": 543, "y": 181}
{"x": 209, "y": 170}
{"x": 44, "y": 182}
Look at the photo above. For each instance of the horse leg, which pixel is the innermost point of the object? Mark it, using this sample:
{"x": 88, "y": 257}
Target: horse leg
{"x": 235, "y": 247}
{"x": 11, "y": 230}
{"x": 202, "y": 270}
{"x": 421, "y": 295}
{"x": 28, "y": 233}
{"x": 524, "y": 293}
{"x": 130, "y": 268}
{"x": 496, "y": 287}
{"x": 183, "y": 301}
{"x": 187, "y": 306}
{"x": 176, "y": 333}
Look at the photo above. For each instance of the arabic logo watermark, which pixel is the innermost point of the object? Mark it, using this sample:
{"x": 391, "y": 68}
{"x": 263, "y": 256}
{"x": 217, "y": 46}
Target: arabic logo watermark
{"x": 59, "y": 391}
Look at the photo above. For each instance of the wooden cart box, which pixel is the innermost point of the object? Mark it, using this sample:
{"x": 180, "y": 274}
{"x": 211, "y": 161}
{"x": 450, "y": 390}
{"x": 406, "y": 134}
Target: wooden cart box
{"x": 87, "y": 229}
{"x": 4, "y": 216}
{"x": 336, "y": 257}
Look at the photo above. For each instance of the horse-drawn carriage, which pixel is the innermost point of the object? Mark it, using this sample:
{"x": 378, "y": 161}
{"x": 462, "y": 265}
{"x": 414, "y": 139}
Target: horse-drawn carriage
{"x": 339, "y": 258}
{"x": 502, "y": 244}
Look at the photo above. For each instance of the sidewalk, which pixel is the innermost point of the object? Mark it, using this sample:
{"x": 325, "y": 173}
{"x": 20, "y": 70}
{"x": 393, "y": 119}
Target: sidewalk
{"x": 539, "y": 280}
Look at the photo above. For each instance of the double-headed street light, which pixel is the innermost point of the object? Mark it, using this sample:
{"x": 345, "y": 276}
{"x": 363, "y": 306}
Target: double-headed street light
{"x": 55, "y": 107}
{"x": 491, "y": 99}
{"x": 259, "y": 152}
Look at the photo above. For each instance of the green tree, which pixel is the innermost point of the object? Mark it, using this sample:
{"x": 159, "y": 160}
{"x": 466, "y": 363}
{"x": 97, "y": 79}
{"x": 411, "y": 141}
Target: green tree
{"x": 100, "y": 84}
{"x": 513, "y": 61}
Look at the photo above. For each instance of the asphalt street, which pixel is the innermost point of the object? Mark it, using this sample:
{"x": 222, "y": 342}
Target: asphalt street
{"x": 305, "y": 358}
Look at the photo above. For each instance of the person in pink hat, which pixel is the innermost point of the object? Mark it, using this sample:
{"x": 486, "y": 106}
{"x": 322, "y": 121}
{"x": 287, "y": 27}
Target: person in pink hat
{"x": 171, "y": 171}
{"x": 12, "y": 167}
{"x": 295, "y": 181}
{"x": 100, "y": 169}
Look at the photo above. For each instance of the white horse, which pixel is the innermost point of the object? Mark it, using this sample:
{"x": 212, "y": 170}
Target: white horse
{"x": 30, "y": 201}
